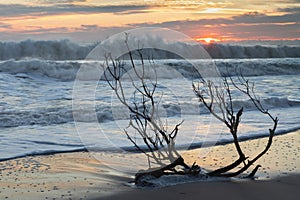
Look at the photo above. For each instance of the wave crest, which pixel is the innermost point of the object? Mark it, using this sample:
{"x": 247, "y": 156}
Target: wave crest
{"x": 67, "y": 50}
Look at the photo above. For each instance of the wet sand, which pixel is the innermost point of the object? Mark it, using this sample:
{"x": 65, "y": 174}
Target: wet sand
{"x": 286, "y": 188}
{"x": 80, "y": 176}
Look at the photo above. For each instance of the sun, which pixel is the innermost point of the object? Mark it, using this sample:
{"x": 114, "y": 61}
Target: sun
{"x": 208, "y": 40}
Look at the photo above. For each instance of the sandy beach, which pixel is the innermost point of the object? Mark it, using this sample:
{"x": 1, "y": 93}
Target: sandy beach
{"x": 80, "y": 176}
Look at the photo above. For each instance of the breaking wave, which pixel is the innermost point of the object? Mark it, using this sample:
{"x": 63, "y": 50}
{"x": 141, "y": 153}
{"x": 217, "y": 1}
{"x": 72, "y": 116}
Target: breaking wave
{"x": 67, "y": 70}
{"x": 67, "y": 50}
{"x": 104, "y": 113}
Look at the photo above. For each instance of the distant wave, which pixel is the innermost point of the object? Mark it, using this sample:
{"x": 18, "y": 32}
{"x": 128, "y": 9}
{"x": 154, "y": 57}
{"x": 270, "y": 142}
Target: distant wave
{"x": 104, "y": 113}
{"x": 232, "y": 67}
{"x": 66, "y": 50}
{"x": 234, "y": 51}
{"x": 61, "y": 70}
{"x": 67, "y": 70}
{"x": 49, "y": 50}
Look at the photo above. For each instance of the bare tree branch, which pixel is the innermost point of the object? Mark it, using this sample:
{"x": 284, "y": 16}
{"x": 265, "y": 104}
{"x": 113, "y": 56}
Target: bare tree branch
{"x": 145, "y": 120}
{"x": 220, "y": 99}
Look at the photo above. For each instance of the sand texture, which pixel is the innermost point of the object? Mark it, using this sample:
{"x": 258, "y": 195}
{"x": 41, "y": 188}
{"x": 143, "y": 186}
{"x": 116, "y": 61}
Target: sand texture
{"x": 59, "y": 176}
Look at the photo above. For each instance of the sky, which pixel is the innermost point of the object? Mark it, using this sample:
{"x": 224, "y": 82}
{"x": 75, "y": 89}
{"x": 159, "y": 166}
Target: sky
{"x": 203, "y": 20}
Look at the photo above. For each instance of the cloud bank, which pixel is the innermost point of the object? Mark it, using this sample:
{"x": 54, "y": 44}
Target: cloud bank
{"x": 17, "y": 10}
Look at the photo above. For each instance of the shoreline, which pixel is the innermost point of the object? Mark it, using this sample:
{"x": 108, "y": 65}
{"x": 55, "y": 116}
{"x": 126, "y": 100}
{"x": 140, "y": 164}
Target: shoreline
{"x": 193, "y": 146}
{"x": 79, "y": 175}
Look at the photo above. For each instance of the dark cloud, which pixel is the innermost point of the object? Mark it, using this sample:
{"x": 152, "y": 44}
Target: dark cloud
{"x": 83, "y": 33}
{"x": 85, "y": 27}
{"x": 262, "y": 18}
{"x": 61, "y": 1}
{"x": 89, "y": 26}
{"x": 129, "y": 12}
{"x": 247, "y": 19}
{"x": 5, "y": 26}
{"x": 290, "y": 10}
{"x": 258, "y": 31}
{"x": 16, "y": 10}
{"x": 41, "y": 30}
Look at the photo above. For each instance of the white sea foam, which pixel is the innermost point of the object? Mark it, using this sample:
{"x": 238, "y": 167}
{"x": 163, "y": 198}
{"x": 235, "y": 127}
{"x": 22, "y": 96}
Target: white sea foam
{"x": 167, "y": 69}
{"x": 104, "y": 113}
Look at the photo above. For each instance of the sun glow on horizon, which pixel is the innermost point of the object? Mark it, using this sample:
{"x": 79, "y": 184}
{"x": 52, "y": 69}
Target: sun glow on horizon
{"x": 208, "y": 40}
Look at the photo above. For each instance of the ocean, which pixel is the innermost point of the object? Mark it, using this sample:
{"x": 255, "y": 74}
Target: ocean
{"x": 38, "y": 114}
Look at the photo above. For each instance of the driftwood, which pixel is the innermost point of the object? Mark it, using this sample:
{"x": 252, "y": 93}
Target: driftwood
{"x": 147, "y": 125}
{"x": 169, "y": 169}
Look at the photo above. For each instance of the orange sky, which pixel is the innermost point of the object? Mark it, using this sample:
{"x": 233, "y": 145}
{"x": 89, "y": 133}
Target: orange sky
{"x": 93, "y": 20}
